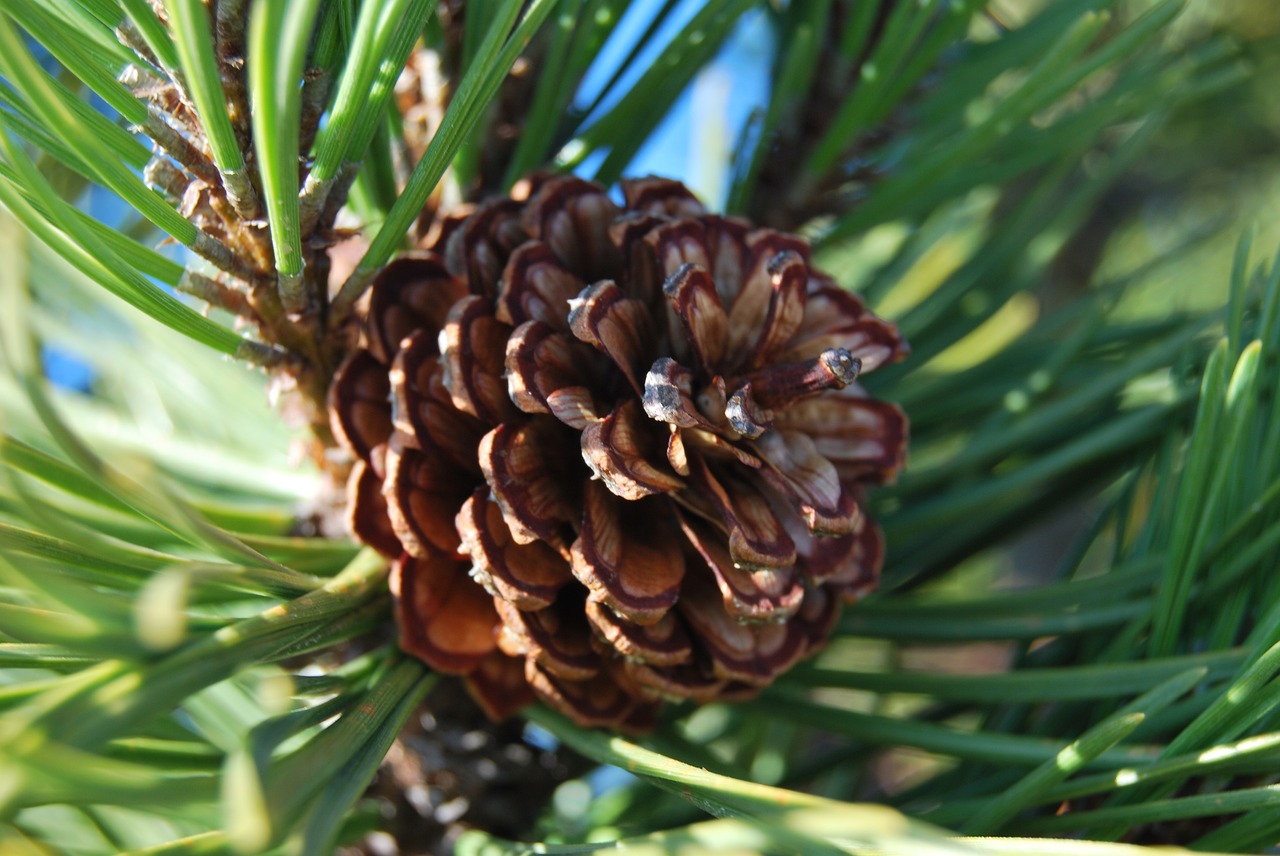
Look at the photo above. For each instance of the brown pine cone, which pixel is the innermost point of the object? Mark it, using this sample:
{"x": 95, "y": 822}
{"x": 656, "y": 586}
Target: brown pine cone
{"x": 616, "y": 453}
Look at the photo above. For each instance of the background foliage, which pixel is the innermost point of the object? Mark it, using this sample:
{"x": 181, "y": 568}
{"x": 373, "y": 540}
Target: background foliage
{"x": 1078, "y": 636}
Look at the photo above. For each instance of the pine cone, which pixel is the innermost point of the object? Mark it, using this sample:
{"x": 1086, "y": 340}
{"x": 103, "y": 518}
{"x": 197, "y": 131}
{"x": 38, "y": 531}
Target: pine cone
{"x": 617, "y": 454}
